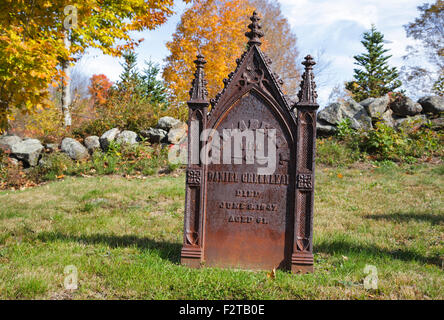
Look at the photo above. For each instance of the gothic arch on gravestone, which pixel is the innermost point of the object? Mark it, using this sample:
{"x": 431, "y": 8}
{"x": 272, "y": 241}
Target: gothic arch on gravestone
{"x": 216, "y": 231}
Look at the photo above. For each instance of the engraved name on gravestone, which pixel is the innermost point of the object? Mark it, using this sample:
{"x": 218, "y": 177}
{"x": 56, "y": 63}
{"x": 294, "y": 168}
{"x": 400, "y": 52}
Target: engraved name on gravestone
{"x": 250, "y": 172}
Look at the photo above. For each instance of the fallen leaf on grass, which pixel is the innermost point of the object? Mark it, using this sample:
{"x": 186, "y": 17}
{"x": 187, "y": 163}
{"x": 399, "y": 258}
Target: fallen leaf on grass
{"x": 272, "y": 274}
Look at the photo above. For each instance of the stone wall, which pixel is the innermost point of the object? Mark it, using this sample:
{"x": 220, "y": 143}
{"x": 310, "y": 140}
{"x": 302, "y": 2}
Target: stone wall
{"x": 393, "y": 112}
{"x": 29, "y": 151}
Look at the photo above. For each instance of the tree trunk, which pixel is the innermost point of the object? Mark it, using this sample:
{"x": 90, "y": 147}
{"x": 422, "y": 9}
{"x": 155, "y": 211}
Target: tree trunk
{"x": 3, "y": 117}
{"x": 66, "y": 87}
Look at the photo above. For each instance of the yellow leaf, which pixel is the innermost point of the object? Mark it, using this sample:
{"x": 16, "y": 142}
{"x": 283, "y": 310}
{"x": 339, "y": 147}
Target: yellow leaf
{"x": 272, "y": 274}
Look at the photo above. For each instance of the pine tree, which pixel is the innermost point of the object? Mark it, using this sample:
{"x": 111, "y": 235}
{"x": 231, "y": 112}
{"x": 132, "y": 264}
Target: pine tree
{"x": 375, "y": 78}
{"x": 144, "y": 86}
{"x": 152, "y": 88}
{"x": 129, "y": 78}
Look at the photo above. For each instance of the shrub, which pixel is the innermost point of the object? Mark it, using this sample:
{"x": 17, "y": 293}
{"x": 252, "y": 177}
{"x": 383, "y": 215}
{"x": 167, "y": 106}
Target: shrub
{"x": 410, "y": 142}
{"x": 43, "y": 124}
{"x": 135, "y": 102}
{"x": 12, "y": 174}
{"x": 51, "y": 166}
{"x": 104, "y": 163}
{"x": 333, "y": 152}
{"x": 140, "y": 159}
{"x": 344, "y": 130}
{"x": 133, "y": 114}
{"x": 383, "y": 141}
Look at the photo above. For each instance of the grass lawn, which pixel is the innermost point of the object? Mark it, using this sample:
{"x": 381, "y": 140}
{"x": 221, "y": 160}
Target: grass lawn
{"x": 124, "y": 238}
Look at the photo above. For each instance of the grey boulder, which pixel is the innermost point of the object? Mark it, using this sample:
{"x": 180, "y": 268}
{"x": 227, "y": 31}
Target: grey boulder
{"x": 127, "y": 137}
{"x": 107, "y": 137}
{"x": 154, "y": 135}
{"x": 166, "y": 123}
{"x": 410, "y": 122}
{"x": 325, "y": 129}
{"x": 74, "y": 149}
{"x": 387, "y": 118}
{"x": 28, "y": 151}
{"x": 180, "y": 125}
{"x": 376, "y": 107}
{"x": 350, "y": 109}
{"x": 405, "y": 107}
{"x": 175, "y": 136}
{"x": 437, "y": 124}
{"x": 7, "y": 141}
{"x": 432, "y": 104}
{"x": 92, "y": 143}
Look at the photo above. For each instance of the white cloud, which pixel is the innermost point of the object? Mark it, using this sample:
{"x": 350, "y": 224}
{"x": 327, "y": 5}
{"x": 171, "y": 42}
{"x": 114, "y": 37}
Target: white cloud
{"x": 337, "y": 27}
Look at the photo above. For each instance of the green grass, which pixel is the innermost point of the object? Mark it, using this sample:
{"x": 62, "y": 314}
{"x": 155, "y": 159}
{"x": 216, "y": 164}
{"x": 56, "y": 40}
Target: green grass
{"x": 124, "y": 237}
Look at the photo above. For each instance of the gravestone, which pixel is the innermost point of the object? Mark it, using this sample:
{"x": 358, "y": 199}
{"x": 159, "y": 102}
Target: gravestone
{"x": 250, "y": 172}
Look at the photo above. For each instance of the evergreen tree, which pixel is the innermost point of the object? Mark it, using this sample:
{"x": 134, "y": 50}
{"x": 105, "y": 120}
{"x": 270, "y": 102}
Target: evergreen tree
{"x": 151, "y": 87}
{"x": 129, "y": 78}
{"x": 145, "y": 85}
{"x": 375, "y": 78}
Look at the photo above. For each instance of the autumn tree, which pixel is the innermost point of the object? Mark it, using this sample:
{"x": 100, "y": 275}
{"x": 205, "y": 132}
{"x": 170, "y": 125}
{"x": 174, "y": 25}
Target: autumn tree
{"x": 375, "y": 77}
{"x": 428, "y": 28}
{"x": 33, "y": 37}
{"x": 216, "y": 28}
{"x": 99, "y": 88}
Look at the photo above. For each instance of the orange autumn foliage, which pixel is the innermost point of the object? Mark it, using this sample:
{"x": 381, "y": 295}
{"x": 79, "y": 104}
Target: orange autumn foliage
{"x": 216, "y": 28}
{"x": 99, "y": 88}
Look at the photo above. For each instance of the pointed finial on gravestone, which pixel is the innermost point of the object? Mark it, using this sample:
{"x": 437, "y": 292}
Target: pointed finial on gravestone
{"x": 307, "y": 94}
{"x": 198, "y": 92}
{"x": 255, "y": 32}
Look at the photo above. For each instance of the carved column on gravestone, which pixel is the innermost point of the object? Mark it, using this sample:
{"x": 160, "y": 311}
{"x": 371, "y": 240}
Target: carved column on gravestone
{"x": 192, "y": 250}
{"x": 302, "y": 257}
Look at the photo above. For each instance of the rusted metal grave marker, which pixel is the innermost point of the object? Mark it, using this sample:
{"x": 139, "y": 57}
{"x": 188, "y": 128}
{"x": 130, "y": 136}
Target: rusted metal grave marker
{"x": 250, "y": 172}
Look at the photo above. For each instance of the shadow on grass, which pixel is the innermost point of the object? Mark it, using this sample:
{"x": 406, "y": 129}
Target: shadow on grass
{"x": 372, "y": 251}
{"x": 166, "y": 250}
{"x": 405, "y": 217}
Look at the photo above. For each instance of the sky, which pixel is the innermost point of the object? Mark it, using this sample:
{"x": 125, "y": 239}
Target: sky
{"x": 330, "y": 30}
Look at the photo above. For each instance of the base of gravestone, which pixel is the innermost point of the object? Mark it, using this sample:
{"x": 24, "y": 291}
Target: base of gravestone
{"x": 190, "y": 262}
{"x": 191, "y": 257}
{"x": 302, "y": 263}
{"x": 295, "y": 268}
